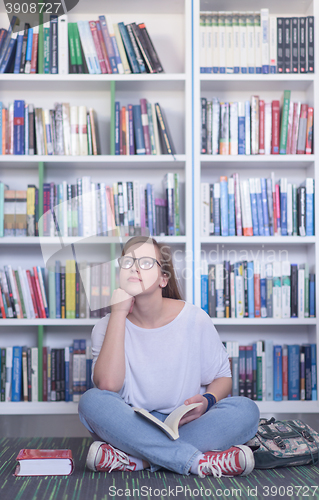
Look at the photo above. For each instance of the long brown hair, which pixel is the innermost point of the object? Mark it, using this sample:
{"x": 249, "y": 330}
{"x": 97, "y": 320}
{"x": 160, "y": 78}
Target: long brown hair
{"x": 171, "y": 290}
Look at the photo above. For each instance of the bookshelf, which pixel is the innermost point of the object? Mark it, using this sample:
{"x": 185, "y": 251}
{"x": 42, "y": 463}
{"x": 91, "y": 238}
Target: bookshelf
{"x": 235, "y": 87}
{"x": 174, "y": 28}
{"x": 169, "y": 25}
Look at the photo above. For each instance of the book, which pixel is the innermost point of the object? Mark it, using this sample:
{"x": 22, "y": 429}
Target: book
{"x": 171, "y": 423}
{"x": 33, "y": 462}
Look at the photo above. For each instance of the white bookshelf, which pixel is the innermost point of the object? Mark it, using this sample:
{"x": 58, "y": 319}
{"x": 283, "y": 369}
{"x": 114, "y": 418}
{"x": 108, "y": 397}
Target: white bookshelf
{"x": 169, "y": 25}
{"x": 236, "y": 87}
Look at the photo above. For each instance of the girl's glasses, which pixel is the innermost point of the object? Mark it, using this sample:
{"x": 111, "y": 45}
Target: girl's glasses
{"x": 144, "y": 263}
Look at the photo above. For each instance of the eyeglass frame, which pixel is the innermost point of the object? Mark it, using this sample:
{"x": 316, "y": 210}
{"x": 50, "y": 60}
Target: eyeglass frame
{"x": 138, "y": 258}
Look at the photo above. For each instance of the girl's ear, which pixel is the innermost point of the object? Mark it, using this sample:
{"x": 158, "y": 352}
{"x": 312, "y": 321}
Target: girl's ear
{"x": 164, "y": 281}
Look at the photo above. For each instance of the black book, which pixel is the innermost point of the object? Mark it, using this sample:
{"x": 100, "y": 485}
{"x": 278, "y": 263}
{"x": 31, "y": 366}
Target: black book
{"x": 287, "y": 45}
{"x": 302, "y": 45}
{"x": 151, "y": 49}
{"x": 308, "y": 392}
{"x": 211, "y": 290}
{"x": 136, "y": 49}
{"x": 294, "y": 290}
{"x": 295, "y": 45}
{"x": 62, "y": 373}
{"x": 211, "y": 209}
{"x": 310, "y": 44}
{"x": 24, "y": 47}
{"x": 158, "y": 221}
{"x": 204, "y": 125}
{"x": 58, "y": 374}
{"x": 165, "y": 136}
{"x": 280, "y": 44}
{"x": 143, "y": 48}
{"x": 301, "y": 205}
{"x": 53, "y": 375}
{"x": 29, "y": 371}
{"x": 245, "y": 273}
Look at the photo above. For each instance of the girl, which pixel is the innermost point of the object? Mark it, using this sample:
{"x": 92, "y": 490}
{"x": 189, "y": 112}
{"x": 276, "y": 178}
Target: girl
{"x": 156, "y": 351}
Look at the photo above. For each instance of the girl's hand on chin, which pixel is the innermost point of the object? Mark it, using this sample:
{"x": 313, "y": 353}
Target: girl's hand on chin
{"x": 122, "y": 301}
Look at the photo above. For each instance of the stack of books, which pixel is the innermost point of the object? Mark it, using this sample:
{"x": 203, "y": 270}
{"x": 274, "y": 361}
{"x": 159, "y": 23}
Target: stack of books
{"x": 263, "y": 371}
{"x": 255, "y": 42}
{"x": 257, "y": 207}
{"x": 60, "y": 47}
{"x": 256, "y": 127}
{"x": 258, "y": 289}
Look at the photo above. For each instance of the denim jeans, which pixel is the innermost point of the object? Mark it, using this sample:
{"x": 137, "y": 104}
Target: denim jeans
{"x": 231, "y": 421}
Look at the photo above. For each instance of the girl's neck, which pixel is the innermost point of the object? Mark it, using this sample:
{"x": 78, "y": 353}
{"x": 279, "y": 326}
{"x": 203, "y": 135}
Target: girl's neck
{"x": 147, "y": 311}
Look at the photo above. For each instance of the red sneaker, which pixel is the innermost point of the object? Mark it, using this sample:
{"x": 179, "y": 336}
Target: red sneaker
{"x": 103, "y": 457}
{"x": 237, "y": 460}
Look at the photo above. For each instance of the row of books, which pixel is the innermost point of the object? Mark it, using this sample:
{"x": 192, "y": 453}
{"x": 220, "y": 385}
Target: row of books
{"x": 92, "y": 209}
{"x": 255, "y": 42}
{"x": 264, "y": 371}
{"x": 256, "y": 127}
{"x": 62, "y": 291}
{"x": 258, "y": 289}
{"x": 64, "y": 130}
{"x": 60, "y": 47}
{"x": 257, "y": 207}
{"x": 141, "y": 129}
{"x": 65, "y": 376}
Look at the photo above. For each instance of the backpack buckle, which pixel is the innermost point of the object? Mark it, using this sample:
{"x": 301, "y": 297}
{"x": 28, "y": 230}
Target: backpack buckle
{"x": 279, "y": 442}
{"x": 307, "y": 436}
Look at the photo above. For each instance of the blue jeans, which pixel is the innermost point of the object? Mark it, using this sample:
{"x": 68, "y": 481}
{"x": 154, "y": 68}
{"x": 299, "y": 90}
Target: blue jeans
{"x": 231, "y": 421}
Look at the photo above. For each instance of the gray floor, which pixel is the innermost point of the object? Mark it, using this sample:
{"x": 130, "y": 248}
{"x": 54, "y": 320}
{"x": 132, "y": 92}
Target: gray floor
{"x": 70, "y": 425}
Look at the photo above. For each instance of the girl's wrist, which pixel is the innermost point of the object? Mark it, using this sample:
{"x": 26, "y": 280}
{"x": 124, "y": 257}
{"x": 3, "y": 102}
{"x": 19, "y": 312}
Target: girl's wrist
{"x": 211, "y": 400}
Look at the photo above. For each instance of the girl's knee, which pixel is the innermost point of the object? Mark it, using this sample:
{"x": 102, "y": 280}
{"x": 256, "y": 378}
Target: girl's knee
{"x": 93, "y": 397}
{"x": 250, "y": 411}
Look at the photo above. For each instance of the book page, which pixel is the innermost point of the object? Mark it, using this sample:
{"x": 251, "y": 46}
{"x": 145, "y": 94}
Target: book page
{"x": 170, "y": 424}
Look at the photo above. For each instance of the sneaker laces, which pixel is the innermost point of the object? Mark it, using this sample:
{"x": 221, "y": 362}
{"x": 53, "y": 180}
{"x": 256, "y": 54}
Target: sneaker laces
{"x": 115, "y": 459}
{"x": 215, "y": 465}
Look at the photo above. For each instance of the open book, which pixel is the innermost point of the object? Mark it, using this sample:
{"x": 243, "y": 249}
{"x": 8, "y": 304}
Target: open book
{"x": 170, "y": 424}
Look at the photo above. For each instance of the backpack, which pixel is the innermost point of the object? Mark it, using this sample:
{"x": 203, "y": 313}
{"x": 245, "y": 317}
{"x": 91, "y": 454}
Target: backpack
{"x": 284, "y": 443}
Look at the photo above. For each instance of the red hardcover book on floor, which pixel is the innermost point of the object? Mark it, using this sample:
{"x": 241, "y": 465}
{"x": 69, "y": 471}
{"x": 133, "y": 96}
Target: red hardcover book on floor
{"x": 44, "y": 463}
{"x": 34, "y": 302}
{"x": 275, "y": 127}
{"x": 261, "y": 127}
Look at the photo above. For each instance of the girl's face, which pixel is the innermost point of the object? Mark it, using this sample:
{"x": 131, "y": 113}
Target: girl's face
{"x": 135, "y": 280}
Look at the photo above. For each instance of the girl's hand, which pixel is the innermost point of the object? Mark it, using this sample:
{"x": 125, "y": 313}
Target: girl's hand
{"x": 196, "y": 412}
{"x": 122, "y": 301}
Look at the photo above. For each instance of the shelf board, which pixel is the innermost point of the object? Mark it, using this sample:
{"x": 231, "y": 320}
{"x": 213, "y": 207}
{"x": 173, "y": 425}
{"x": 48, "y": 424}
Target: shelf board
{"x": 257, "y": 161}
{"x": 80, "y": 240}
{"x": 70, "y": 408}
{"x": 99, "y": 161}
{"x": 259, "y": 240}
{"x": 87, "y": 82}
{"x": 254, "y": 83}
{"x": 264, "y": 321}
{"x": 48, "y": 322}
